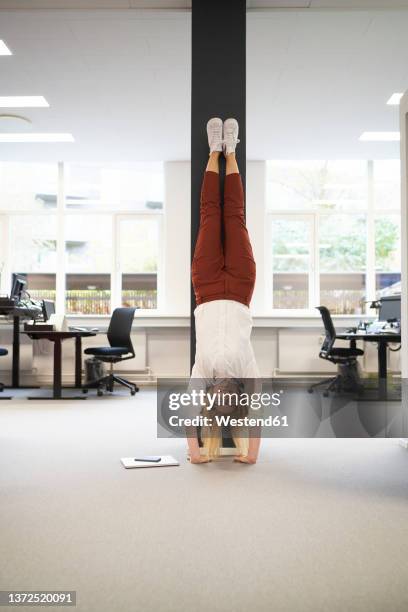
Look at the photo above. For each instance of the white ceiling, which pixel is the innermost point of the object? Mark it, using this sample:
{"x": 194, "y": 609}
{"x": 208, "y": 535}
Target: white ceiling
{"x": 316, "y": 80}
{"x": 120, "y": 81}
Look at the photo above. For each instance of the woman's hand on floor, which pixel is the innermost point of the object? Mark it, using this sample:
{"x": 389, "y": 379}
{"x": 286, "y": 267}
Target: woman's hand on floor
{"x": 198, "y": 459}
{"x": 245, "y": 459}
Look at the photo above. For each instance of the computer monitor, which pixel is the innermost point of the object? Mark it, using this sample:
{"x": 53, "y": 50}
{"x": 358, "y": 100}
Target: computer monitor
{"x": 18, "y": 286}
{"x": 390, "y": 308}
{"x": 48, "y": 309}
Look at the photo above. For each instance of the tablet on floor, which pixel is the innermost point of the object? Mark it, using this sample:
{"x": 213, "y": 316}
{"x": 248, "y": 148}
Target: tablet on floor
{"x": 165, "y": 461}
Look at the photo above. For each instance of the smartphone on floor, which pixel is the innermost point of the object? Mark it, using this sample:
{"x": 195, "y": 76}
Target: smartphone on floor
{"x": 149, "y": 459}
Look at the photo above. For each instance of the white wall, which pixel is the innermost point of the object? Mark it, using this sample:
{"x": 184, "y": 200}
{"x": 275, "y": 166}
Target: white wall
{"x": 255, "y": 216}
{"x": 177, "y": 238}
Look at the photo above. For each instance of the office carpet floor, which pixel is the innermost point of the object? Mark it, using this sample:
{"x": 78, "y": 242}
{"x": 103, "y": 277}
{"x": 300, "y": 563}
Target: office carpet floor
{"x": 316, "y": 525}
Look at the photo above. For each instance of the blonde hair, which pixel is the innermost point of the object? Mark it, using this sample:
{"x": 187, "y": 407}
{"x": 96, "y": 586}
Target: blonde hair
{"x": 212, "y": 440}
{"x": 211, "y": 435}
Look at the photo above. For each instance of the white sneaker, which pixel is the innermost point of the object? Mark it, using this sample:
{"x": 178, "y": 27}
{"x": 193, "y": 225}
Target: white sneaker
{"x": 231, "y": 129}
{"x": 214, "y": 131}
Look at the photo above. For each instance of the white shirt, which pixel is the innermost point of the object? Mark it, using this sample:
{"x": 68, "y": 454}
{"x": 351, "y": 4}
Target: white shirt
{"x": 223, "y": 347}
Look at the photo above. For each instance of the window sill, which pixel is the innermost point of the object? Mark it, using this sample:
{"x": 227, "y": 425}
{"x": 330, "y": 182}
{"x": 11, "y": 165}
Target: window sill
{"x": 160, "y": 320}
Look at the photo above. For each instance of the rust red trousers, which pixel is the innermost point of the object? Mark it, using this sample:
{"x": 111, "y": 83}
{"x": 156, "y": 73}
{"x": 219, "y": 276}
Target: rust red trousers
{"x": 223, "y": 265}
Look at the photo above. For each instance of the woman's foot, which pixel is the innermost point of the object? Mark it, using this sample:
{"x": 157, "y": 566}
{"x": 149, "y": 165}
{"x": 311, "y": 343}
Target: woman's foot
{"x": 230, "y": 140}
{"x": 214, "y": 132}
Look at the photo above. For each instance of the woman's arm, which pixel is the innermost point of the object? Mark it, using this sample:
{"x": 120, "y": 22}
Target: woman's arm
{"x": 197, "y": 382}
{"x": 194, "y": 448}
{"x": 253, "y": 449}
{"x": 253, "y": 384}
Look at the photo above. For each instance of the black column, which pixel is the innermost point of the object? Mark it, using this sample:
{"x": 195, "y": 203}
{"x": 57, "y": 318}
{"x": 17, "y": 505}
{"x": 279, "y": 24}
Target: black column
{"x": 218, "y": 89}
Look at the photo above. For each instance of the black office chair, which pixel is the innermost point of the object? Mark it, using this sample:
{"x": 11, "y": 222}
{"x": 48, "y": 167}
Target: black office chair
{"x": 345, "y": 358}
{"x": 120, "y": 349}
{"x": 3, "y": 353}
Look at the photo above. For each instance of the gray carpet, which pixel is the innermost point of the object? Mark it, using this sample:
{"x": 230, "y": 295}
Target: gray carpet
{"x": 316, "y": 525}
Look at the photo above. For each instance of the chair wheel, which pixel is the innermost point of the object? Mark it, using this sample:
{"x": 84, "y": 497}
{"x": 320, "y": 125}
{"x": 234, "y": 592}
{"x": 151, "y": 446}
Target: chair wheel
{"x": 310, "y": 390}
{"x": 133, "y": 392}
{"x": 99, "y": 392}
{"x": 84, "y": 390}
{"x": 326, "y": 394}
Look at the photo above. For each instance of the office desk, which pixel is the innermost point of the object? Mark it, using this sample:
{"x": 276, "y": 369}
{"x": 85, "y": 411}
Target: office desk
{"x": 382, "y": 340}
{"x": 57, "y": 337}
{"x": 17, "y": 313}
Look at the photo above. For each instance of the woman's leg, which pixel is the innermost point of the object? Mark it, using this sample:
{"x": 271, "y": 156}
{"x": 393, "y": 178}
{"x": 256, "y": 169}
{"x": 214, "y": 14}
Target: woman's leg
{"x": 213, "y": 164}
{"x": 208, "y": 262}
{"x": 238, "y": 257}
{"x": 231, "y": 166}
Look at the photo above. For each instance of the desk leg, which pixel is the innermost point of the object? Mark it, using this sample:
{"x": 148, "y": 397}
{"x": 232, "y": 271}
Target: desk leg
{"x": 57, "y": 370}
{"x": 15, "y": 359}
{"x": 57, "y": 376}
{"x": 78, "y": 362}
{"x": 382, "y": 367}
{"x": 15, "y": 376}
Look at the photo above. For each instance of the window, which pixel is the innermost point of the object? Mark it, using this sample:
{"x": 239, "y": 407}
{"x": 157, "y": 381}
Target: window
{"x": 292, "y": 246}
{"x": 34, "y": 252}
{"x": 387, "y": 225}
{"x": 97, "y": 249}
{"x": 387, "y": 251}
{"x": 335, "y": 233}
{"x": 302, "y": 186}
{"x": 342, "y": 261}
{"x": 28, "y": 201}
{"x": 136, "y": 187}
{"x": 88, "y": 256}
{"x": 26, "y": 186}
{"x": 138, "y": 261}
